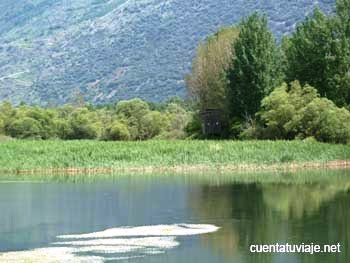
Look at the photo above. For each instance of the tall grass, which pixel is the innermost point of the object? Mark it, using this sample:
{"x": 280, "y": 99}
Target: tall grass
{"x": 339, "y": 176}
{"x": 19, "y": 155}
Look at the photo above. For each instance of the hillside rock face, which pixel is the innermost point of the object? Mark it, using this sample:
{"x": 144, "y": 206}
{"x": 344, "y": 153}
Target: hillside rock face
{"x": 110, "y": 50}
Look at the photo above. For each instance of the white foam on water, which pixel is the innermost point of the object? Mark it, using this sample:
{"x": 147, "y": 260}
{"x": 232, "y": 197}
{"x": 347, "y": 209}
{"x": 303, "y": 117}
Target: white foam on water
{"x": 141, "y": 240}
{"x": 160, "y": 230}
{"x": 161, "y": 242}
{"x": 48, "y": 255}
{"x": 124, "y": 249}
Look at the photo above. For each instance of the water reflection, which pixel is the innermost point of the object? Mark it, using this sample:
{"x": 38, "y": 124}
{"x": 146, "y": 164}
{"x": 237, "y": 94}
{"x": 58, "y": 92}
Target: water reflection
{"x": 297, "y": 201}
{"x": 249, "y": 209}
{"x": 259, "y": 213}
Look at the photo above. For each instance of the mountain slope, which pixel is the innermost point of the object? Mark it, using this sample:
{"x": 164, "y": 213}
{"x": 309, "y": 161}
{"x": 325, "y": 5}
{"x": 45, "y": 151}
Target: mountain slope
{"x": 116, "y": 49}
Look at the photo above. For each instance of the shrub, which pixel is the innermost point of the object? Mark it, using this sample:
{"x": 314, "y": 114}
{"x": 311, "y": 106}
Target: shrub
{"x": 2, "y": 126}
{"x": 25, "y": 128}
{"x": 179, "y": 119}
{"x": 299, "y": 112}
{"x": 279, "y": 108}
{"x": 324, "y": 121}
{"x": 118, "y": 131}
{"x": 132, "y": 112}
{"x": 153, "y": 123}
{"x": 132, "y": 108}
{"x": 250, "y": 130}
{"x": 43, "y": 117}
{"x": 127, "y": 120}
{"x": 83, "y": 126}
{"x": 193, "y": 128}
{"x": 63, "y": 129}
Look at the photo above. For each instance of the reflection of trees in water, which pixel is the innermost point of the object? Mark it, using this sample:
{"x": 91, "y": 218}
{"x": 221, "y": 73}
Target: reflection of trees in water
{"x": 266, "y": 214}
{"x": 296, "y": 201}
{"x": 235, "y": 209}
{"x": 318, "y": 213}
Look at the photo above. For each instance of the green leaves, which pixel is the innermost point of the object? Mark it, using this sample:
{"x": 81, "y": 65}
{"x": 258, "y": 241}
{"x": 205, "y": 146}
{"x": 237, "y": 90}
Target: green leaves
{"x": 25, "y": 128}
{"x": 118, "y": 131}
{"x": 256, "y": 67}
{"x": 207, "y": 84}
{"x": 298, "y": 112}
{"x": 128, "y": 120}
{"x": 318, "y": 53}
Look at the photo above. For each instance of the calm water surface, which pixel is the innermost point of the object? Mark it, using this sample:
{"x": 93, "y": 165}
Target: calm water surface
{"x": 178, "y": 216}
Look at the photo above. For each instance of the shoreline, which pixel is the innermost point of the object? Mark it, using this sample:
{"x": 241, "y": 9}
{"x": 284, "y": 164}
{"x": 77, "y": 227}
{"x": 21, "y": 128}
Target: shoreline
{"x": 186, "y": 169}
{"x": 161, "y": 156}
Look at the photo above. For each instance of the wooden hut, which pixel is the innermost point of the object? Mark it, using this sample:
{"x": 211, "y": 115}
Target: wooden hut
{"x": 211, "y": 122}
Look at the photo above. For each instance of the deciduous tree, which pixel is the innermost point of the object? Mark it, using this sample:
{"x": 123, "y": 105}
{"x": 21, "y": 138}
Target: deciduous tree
{"x": 256, "y": 66}
{"x": 318, "y": 53}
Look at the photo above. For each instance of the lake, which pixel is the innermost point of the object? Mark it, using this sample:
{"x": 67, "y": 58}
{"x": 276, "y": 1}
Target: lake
{"x": 173, "y": 218}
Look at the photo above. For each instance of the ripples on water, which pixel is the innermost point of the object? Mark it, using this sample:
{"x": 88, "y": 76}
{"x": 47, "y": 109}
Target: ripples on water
{"x": 81, "y": 219}
{"x": 142, "y": 241}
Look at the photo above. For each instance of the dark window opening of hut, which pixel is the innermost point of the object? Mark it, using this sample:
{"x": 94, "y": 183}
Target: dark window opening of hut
{"x": 211, "y": 122}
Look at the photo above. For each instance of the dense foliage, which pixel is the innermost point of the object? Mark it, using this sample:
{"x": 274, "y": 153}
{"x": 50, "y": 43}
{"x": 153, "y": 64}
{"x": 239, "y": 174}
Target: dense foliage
{"x": 207, "y": 83}
{"x": 299, "y": 112}
{"x": 127, "y": 120}
{"x": 238, "y": 71}
{"x": 255, "y": 69}
{"x": 318, "y": 53}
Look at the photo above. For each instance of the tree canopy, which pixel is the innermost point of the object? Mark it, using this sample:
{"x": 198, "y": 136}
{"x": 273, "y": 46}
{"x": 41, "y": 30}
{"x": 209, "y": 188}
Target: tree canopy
{"x": 207, "y": 83}
{"x": 256, "y": 66}
{"x": 318, "y": 53}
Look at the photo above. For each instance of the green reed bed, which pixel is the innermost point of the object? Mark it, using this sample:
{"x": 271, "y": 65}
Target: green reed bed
{"x": 339, "y": 176}
{"x": 24, "y": 155}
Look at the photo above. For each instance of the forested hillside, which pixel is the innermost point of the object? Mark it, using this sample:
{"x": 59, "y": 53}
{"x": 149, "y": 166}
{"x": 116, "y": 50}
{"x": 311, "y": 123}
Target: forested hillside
{"x": 107, "y": 50}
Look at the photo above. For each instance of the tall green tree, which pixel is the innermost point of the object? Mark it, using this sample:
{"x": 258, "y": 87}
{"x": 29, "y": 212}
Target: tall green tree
{"x": 318, "y": 53}
{"x": 343, "y": 16}
{"x": 207, "y": 83}
{"x": 256, "y": 67}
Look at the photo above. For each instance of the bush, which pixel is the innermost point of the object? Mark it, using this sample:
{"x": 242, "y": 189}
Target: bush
{"x": 63, "y": 129}
{"x": 324, "y": 121}
{"x": 83, "y": 125}
{"x": 43, "y": 117}
{"x": 132, "y": 108}
{"x": 298, "y": 112}
{"x": 153, "y": 123}
{"x": 118, "y": 131}
{"x": 25, "y": 128}
{"x": 250, "y": 130}
{"x": 132, "y": 112}
{"x": 2, "y": 126}
{"x": 128, "y": 120}
{"x": 193, "y": 128}
{"x": 280, "y": 107}
{"x": 179, "y": 119}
